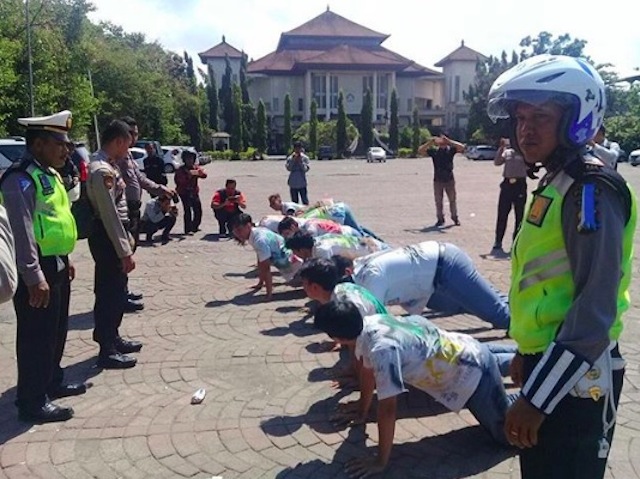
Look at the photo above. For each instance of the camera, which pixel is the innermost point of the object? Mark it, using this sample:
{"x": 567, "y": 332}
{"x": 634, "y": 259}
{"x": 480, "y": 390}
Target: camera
{"x": 175, "y": 198}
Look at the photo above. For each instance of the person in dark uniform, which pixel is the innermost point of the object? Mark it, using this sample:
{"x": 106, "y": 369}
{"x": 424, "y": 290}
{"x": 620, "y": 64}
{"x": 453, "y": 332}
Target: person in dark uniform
{"x": 111, "y": 246}
{"x": 135, "y": 182}
{"x": 45, "y": 234}
{"x": 571, "y": 271}
{"x": 513, "y": 190}
{"x": 154, "y": 167}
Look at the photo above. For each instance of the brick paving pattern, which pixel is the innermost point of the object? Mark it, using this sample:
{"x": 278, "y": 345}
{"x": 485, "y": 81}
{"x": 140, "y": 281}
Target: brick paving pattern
{"x": 267, "y": 375}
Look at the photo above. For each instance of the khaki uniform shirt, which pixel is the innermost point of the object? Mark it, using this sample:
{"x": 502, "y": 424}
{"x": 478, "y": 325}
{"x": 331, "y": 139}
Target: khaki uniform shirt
{"x": 8, "y": 269}
{"x": 106, "y": 191}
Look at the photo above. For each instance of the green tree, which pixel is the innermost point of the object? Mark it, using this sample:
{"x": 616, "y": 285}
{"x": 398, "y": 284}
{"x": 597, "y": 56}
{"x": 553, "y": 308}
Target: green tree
{"x": 212, "y": 97}
{"x": 415, "y": 138}
{"x": 249, "y": 124}
{"x": 341, "y": 127}
{"x": 313, "y": 128}
{"x": 237, "y": 135}
{"x": 366, "y": 120}
{"x": 260, "y": 135}
{"x": 287, "y": 124}
{"x": 327, "y": 132}
{"x": 394, "y": 135}
{"x": 226, "y": 96}
{"x": 243, "y": 80}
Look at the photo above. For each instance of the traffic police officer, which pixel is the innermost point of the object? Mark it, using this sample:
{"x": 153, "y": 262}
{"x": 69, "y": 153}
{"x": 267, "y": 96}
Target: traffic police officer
{"x": 45, "y": 234}
{"x": 571, "y": 268}
{"x": 135, "y": 182}
{"x": 111, "y": 246}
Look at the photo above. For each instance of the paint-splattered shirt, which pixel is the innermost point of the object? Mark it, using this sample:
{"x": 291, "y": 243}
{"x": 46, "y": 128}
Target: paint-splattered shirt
{"x": 366, "y": 303}
{"x": 350, "y": 247}
{"x": 411, "y": 350}
{"x": 270, "y": 246}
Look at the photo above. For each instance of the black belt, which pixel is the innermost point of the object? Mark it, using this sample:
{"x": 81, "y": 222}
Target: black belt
{"x": 513, "y": 181}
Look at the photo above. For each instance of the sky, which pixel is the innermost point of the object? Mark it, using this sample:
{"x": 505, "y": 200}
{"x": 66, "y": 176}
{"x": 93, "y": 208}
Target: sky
{"x": 421, "y": 30}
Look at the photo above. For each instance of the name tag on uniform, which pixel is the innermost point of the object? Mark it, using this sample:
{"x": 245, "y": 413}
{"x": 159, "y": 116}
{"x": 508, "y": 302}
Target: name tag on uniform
{"x": 47, "y": 187}
{"x": 538, "y": 210}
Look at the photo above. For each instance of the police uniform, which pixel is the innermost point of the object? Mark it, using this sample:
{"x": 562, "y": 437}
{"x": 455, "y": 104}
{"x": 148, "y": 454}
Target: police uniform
{"x": 513, "y": 192}
{"x": 571, "y": 268}
{"x": 45, "y": 234}
{"x": 8, "y": 270}
{"x": 109, "y": 242}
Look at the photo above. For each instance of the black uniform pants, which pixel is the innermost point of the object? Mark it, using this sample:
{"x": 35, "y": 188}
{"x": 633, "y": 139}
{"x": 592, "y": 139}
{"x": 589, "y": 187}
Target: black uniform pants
{"x": 134, "y": 221}
{"x": 110, "y": 288}
{"x": 224, "y": 217}
{"x": 165, "y": 224}
{"x": 192, "y": 212}
{"x": 568, "y": 440}
{"x": 513, "y": 194}
{"x": 41, "y": 335}
{"x": 299, "y": 195}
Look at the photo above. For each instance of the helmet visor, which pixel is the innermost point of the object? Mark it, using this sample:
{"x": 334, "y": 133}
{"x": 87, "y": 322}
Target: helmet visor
{"x": 501, "y": 105}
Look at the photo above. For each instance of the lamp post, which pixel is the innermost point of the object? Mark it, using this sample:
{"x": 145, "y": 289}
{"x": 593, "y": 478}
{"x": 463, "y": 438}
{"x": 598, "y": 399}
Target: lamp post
{"x": 30, "y": 60}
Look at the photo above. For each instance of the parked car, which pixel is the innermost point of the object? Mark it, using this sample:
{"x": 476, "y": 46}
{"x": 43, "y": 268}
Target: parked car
{"x": 634, "y": 158}
{"x": 172, "y": 156}
{"x": 376, "y": 153}
{"x": 622, "y": 156}
{"x": 481, "y": 152}
{"x": 139, "y": 155}
{"x": 325, "y": 152}
{"x": 11, "y": 150}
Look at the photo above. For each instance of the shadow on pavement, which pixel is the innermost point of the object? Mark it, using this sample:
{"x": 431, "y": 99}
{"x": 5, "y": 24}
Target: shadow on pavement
{"x": 81, "y": 321}
{"x": 254, "y": 296}
{"x": 299, "y": 328}
{"x": 430, "y": 229}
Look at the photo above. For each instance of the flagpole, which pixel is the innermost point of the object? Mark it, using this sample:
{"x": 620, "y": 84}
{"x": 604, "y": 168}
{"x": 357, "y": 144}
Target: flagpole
{"x": 30, "y": 60}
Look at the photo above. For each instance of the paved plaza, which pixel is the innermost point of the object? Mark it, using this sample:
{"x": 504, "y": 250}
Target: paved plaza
{"x": 265, "y": 369}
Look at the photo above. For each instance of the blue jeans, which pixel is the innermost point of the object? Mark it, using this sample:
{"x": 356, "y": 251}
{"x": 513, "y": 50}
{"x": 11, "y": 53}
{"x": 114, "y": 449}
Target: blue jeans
{"x": 460, "y": 289}
{"x": 489, "y": 402}
{"x": 350, "y": 220}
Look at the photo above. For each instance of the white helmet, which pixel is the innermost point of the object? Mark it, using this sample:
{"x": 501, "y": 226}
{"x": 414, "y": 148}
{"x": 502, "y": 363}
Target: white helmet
{"x": 570, "y": 81}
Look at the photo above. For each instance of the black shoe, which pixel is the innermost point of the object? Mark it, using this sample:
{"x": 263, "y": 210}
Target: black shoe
{"x": 116, "y": 360}
{"x": 125, "y": 347}
{"x": 165, "y": 241}
{"x": 66, "y": 390}
{"x": 456, "y": 221}
{"x": 134, "y": 296}
{"x": 49, "y": 412}
{"x": 133, "y": 306}
{"x": 440, "y": 223}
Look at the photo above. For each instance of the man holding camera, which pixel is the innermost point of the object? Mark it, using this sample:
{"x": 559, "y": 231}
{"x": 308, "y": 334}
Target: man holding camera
{"x": 227, "y": 203}
{"x": 159, "y": 214}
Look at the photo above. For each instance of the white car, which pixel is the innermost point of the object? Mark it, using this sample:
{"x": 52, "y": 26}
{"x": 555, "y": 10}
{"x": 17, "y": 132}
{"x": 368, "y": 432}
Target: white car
{"x": 375, "y": 153}
{"x": 481, "y": 152}
{"x": 634, "y": 158}
{"x": 139, "y": 155}
{"x": 172, "y": 156}
{"x": 11, "y": 150}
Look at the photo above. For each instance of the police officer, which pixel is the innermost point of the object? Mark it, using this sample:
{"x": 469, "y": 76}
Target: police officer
{"x": 45, "y": 234}
{"x": 135, "y": 182}
{"x": 111, "y": 246}
{"x": 8, "y": 269}
{"x": 513, "y": 190}
{"x": 570, "y": 274}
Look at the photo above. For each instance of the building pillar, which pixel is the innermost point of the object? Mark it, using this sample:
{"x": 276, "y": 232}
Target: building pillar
{"x": 327, "y": 92}
{"x": 374, "y": 95}
{"x": 306, "y": 113}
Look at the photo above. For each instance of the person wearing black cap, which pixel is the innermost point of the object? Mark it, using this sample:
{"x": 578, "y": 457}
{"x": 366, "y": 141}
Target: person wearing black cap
{"x": 298, "y": 164}
{"x": 186, "y": 179}
{"x": 45, "y": 234}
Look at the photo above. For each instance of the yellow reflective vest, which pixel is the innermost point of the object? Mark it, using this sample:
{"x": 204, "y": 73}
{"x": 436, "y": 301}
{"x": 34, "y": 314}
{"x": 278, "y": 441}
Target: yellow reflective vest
{"x": 542, "y": 288}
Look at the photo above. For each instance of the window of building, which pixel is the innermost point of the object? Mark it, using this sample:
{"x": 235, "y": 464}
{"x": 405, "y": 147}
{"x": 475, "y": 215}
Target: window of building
{"x": 457, "y": 88}
{"x": 333, "y": 91}
{"x": 267, "y": 105}
{"x": 409, "y": 104}
{"x": 300, "y": 104}
{"x": 383, "y": 91}
{"x": 275, "y": 104}
{"x": 319, "y": 90}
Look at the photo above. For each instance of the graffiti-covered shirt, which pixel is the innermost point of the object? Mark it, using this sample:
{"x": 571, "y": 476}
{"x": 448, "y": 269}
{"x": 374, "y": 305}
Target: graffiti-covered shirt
{"x": 335, "y": 212}
{"x": 411, "y": 350}
{"x": 270, "y": 246}
{"x": 366, "y": 303}
{"x": 316, "y": 227}
{"x": 350, "y": 247}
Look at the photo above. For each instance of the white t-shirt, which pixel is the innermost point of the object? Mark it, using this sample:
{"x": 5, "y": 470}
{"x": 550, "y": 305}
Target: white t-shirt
{"x": 401, "y": 276}
{"x": 366, "y": 303}
{"x": 291, "y": 208}
{"x": 271, "y": 222}
{"x": 270, "y": 246}
{"x": 318, "y": 227}
{"x": 350, "y": 247}
{"x": 411, "y": 350}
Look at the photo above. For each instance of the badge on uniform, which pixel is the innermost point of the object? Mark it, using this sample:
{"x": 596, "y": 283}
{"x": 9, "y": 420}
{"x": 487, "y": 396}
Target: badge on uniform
{"x": 47, "y": 187}
{"x": 538, "y": 210}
